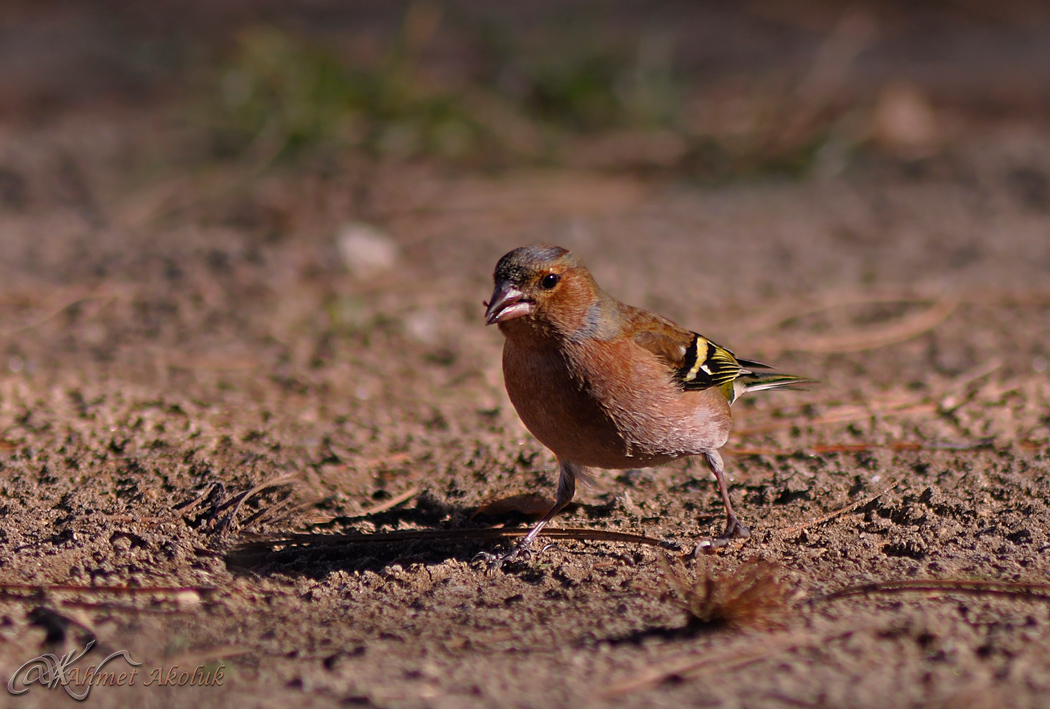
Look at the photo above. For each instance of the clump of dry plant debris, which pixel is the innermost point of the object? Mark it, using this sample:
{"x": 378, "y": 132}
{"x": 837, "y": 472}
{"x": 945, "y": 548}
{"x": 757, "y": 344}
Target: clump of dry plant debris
{"x": 754, "y": 594}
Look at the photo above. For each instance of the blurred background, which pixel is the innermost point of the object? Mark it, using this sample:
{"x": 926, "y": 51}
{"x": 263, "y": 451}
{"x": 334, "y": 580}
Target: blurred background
{"x": 700, "y": 88}
{"x": 299, "y": 204}
{"x": 243, "y": 251}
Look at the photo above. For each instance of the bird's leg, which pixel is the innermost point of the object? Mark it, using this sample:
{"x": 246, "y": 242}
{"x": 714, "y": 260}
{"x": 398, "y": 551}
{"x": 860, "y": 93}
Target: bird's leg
{"x": 566, "y": 490}
{"x": 734, "y": 527}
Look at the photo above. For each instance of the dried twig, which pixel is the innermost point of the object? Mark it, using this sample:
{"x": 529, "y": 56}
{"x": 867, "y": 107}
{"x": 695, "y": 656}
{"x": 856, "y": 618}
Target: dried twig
{"x": 188, "y": 507}
{"x": 122, "y": 608}
{"x": 1022, "y": 589}
{"x": 59, "y": 310}
{"x": 693, "y": 665}
{"x": 945, "y": 400}
{"x": 829, "y": 73}
{"x": 773, "y": 315}
{"x": 837, "y": 513}
{"x": 884, "y": 336}
{"x": 201, "y": 657}
{"x": 865, "y": 447}
{"x": 952, "y": 397}
{"x": 237, "y": 502}
{"x": 263, "y": 543}
{"x": 12, "y": 589}
{"x": 392, "y": 502}
{"x": 846, "y": 413}
{"x": 378, "y": 509}
{"x": 281, "y": 511}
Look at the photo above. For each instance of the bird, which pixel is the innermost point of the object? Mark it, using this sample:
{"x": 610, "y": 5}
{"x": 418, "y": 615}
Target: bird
{"x": 607, "y": 385}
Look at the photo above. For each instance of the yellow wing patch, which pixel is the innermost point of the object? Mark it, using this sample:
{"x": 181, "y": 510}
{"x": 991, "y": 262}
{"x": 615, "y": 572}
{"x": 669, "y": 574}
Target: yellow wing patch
{"x": 708, "y": 365}
{"x": 698, "y": 364}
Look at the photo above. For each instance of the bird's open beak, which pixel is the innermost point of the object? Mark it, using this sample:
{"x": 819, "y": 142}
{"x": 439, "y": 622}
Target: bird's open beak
{"x": 507, "y": 303}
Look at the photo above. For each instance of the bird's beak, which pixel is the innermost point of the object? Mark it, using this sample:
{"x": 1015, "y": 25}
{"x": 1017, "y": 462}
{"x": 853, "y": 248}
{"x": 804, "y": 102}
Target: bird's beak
{"x": 507, "y": 303}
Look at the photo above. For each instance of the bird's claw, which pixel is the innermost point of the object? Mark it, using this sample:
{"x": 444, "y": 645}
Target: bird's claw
{"x": 735, "y": 529}
{"x": 485, "y": 558}
{"x": 709, "y": 545}
{"x": 495, "y": 562}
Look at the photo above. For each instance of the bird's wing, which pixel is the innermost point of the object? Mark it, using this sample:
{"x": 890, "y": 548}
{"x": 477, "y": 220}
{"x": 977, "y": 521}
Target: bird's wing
{"x": 693, "y": 361}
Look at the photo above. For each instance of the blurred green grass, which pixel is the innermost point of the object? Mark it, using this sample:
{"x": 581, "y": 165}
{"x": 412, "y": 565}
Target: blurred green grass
{"x": 538, "y": 99}
{"x": 279, "y": 96}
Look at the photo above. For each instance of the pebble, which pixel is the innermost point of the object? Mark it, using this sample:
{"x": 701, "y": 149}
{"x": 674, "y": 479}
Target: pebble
{"x": 366, "y": 250}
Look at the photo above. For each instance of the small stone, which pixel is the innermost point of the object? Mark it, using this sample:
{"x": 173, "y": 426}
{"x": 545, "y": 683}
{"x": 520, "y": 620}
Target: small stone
{"x": 905, "y": 121}
{"x": 423, "y": 326}
{"x": 366, "y": 250}
{"x": 187, "y": 598}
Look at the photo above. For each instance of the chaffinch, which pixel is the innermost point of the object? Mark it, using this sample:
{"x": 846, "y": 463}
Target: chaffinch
{"x": 607, "y": 385}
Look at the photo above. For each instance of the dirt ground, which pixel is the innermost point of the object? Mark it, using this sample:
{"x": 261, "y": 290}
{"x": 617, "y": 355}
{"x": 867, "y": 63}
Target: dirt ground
{"x": 197, "y": 362}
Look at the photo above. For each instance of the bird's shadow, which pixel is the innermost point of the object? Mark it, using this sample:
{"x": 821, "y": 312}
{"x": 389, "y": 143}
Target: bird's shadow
{"x": 691, "y": 629}
{"x": 430, "y": 532}
{"x": 340, "y": 545}
{"x": 318, "y": 559}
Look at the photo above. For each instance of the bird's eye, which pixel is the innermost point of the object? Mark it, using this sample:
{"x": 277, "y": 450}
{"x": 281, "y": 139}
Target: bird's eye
{"x": 549, "y": 281}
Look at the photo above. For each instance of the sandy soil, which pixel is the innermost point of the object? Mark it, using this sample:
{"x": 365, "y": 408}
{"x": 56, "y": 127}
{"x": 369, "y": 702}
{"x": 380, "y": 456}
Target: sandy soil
{"x": 191, "y": 369}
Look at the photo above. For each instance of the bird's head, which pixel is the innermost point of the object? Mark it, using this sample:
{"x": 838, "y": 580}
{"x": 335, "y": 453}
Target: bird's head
{"x": 543, "y": 284}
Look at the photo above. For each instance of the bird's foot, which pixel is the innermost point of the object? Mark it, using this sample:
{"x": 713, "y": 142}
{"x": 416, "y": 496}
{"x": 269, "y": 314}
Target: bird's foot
{"x": 495, "y": 562}
{"x": 735, "y": 529}
{"x": 709, "y": 545}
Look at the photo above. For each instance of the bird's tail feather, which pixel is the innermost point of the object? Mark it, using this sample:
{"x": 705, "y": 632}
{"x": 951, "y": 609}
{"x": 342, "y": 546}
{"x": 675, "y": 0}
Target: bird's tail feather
{"x": 762, "y": 382}
{"x": 752, "y": 364}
